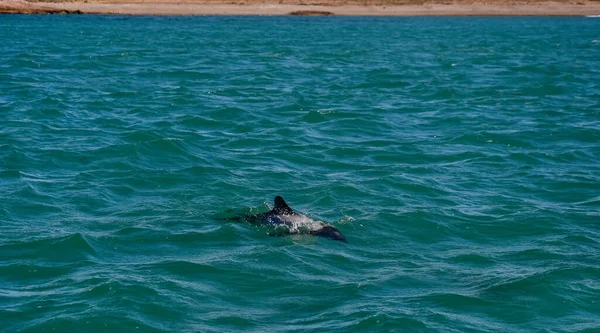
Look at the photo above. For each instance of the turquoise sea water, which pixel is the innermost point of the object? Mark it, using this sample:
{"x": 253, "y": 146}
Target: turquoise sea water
{"x": 460, "y": 157}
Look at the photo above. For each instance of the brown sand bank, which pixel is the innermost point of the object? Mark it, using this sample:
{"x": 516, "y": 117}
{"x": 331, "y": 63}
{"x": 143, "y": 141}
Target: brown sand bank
{"x": 306, "y": 7}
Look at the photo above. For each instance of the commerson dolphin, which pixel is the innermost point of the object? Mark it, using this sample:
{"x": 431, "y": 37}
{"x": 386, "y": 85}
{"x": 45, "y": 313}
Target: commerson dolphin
{"x": 287, "y": 221}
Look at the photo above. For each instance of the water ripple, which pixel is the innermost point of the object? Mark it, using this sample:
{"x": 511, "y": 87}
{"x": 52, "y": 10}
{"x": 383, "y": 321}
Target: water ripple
{"x": 462, "y": 169}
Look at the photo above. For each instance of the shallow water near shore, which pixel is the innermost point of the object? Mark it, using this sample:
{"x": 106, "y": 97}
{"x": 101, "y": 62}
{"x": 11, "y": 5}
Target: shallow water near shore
{"x": 458, "y": 156}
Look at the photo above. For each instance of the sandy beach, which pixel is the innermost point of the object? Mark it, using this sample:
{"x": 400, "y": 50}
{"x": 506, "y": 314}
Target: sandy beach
{"x": 302, "y": 7}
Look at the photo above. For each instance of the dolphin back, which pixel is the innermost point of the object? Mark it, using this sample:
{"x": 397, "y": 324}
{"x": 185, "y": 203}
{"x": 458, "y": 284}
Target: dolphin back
{"x": 282, "y": 215}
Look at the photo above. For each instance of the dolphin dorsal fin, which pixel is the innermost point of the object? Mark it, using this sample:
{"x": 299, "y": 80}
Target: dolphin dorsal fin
{"x": 281, "y": 207}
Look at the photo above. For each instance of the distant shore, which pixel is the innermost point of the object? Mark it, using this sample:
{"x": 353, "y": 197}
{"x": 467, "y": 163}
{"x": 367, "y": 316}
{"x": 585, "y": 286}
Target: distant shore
{"x": 302, "y": 7}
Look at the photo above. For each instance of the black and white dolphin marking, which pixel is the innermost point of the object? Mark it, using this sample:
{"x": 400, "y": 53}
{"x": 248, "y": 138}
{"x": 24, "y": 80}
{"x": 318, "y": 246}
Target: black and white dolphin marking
{"x": 291, "y": 222}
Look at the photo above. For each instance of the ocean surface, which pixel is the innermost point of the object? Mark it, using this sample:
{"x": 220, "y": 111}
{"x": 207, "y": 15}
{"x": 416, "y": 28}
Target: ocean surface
{"x": 460, "y": 157}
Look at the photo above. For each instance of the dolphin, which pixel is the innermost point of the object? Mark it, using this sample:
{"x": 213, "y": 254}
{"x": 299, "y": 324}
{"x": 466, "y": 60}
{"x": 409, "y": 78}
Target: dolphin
{"x": 288, "y": 221}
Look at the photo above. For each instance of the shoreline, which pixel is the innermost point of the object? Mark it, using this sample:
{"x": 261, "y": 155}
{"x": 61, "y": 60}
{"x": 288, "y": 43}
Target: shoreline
{"x": 179, "y": 8}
